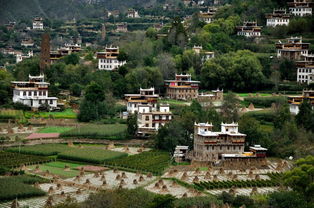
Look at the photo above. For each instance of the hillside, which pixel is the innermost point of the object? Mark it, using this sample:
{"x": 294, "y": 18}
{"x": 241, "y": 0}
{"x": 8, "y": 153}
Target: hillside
{"x": 15, "y": 10}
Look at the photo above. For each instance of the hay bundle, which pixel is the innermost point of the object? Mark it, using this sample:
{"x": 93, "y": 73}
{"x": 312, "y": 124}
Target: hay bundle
{"x": 37, "y": 170}
{"x": 174, "y": 184}
{"x": 50, "y": 190}
{"x": 30, "y": 128}
{"x": 81, "y": 146}
{"x": 135, "y": 182}
{"x": 215, "y": 178}
{"x": 70, "y": 144}
{"x": 59, "y": 186}
{"x": 234, "y": 177}
{"x": 36, "y": 185}
{"x": 96, "y": 175}
{"x": 232, "y": 191}
{"x": 140, "y": 150}
{"x": 184, "y": 176}
{"x": 161, "y": 182}
{"x": 126, "y": 148}
{"x": 149, "y": 175}
{"x": 87, "y": 182}
{"x": 77, "y": 178}
{"x": 137, "y": 173}
{"x": 257, "y": 177}
{"x": 118, "y": 177}
{"x": 207, "y": 175}
{"x": 141, "y": 179}
{"x": 122, "y": 182}
{"x": 103, "y": 178}
{"x": 197, "y": 171}
{"x": 115, "y": 170}
{"x": 254, "y": 191}
{"x": 15, "y": 204}
{"x": 62, "y": 194}
{"x": 46, "y": 173}
{"x": 221, "y": 171}
{"x": 82, "y": 173}
{"x": 251, "y": 174}
{"x": 185, "y": 195}
{"x": 164, "y": 188}
{"x": 123, "y": 175}
{"x": 104, "y": 182}
{"x": 196, "y": 179}
{"x": 49, "y": 202}
{"x": 157, "y": 186}
{"x": 78, "y": 191}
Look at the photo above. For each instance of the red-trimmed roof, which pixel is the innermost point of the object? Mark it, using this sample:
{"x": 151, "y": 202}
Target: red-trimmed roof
{"x": 43, "y": 135}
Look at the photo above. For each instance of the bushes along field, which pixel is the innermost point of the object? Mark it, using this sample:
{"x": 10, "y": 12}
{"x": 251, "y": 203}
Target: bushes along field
{"x": 42, "y": 149}
{"x": 10, "y": 160}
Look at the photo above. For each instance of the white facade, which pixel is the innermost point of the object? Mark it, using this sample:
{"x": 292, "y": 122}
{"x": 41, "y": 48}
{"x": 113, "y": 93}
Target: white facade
{"x": 301, "y": 11}
{"x": 249, "y": 34}
{"x": 38, "y": 24}
{"x": 133, "y": 14}
{"x": 273, "y": 22}
{"x": 21, "y": 57}
{"x": 146, "y": 96}
{"x": 109, "y": 64}
{"x": 294, "y": 109}
{"x": 33, "y": 93}
{"x": 305, "y": 74}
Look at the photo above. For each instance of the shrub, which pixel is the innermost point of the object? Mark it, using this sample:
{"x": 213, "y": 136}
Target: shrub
{"x": 9, "y": 159}
{"x": 42, "y": 149}
{"x": 265, "y": 102}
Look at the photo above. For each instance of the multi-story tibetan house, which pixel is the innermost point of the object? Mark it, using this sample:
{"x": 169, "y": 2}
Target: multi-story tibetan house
{"x": 249, "y": 29}
{"x": 182, "y": 88}
{"x": 278, "y": 17}
{"x": 205, "y": 55}
{"x": 122, "y": 27}
{"x": 64, "y": 51}
{"x": 210, "y": 145}
{"x": 146, "y": 96}
{"x": 33, "y": 92}
{"x": 108, "y": 60}
{"x": 150, "y": 119}
{"x": 38, "y": 23}
{"x": 293, "y": 49}
{"x": 305, "y": 69}
{"x": 207, "y": 16}
{"x": 132, "y": 13}
{"x": 301, "y": 7}
{"x": 296, "y": 101}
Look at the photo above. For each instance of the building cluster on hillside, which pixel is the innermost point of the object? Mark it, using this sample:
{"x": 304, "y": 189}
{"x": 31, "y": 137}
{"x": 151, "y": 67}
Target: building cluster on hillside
{"x": 210, "y": 146}
{"x": 305, "y": 69}
{"x": 108, "y": 60}
{"x": 208, "y": 16}
{"x": 279, "y": 17}
{"x": 293, "y": 49}
{"x": 301, "y": 7}
{"x": 296, "y": 101}
{"x": 66, "y": 50}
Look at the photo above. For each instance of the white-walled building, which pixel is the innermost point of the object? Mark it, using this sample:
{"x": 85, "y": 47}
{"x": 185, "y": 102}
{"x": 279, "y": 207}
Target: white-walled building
{"x": 38, "y": 23}
{"x": 205, "y": 55}
{"x": 249, "y": 29}
{"x": 33, "y": 93}
{"x": 301, "y": 7}
{"x": 279, "y": 17}
{"x": 20, "y": 56}
{"x": 296, "y": 101}
{"x": 305, "y": 69}
{"x": 208, "y": 16}
{"x": 27, "y": 43}
{"x": 132, "y": 13}
{"x": 293, "y": 49}
{"x": 146, "y": 96}
{"x": 108, "y": 60}
{"x": 149, "y": 119}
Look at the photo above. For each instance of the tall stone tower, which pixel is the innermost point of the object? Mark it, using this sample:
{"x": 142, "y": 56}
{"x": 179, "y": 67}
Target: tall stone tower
{"x": 44, "y": 52}
{"x": 103, "y": 32}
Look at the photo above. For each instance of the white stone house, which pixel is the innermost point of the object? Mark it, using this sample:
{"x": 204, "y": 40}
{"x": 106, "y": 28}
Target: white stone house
{"x": 108, "y": 60}
{"x": 33, "y": 93}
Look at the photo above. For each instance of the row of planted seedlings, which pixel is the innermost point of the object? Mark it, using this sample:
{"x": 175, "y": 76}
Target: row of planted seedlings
{"x": 238, "y": 184}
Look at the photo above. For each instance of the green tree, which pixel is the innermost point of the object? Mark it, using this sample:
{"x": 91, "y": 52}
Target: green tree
{"x": 286, "y": 199}
{"x": 282, "y": 116}
{"x": 5, "y": 87}
{"x": 301, "y": 177}
{"x": 72, "y": 59}
{"x": 132, "y": 125}
{"x": 305, "y": 116}
{"x": 230, "y": 108}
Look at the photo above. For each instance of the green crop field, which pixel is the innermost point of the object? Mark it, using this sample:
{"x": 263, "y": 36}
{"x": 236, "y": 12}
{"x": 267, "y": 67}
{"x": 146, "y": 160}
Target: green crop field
{"x": 66, "y": 114}
{"x": 54, "y": 129}
{"x": 152, "y": 161}
{"x": 57, "y": 170}
{"x": 94, "y": 131}
{"x": 19, "y": 187}
{"x": 42, "y": 149}
{"x": 10, "y": 159}
{"x": 91, "y": 155}
{"x": 11, "y": 114}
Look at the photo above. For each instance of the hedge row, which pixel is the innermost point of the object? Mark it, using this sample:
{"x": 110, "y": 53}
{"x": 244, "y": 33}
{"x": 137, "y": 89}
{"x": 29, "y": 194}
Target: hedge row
{"x": 265, "y": 102}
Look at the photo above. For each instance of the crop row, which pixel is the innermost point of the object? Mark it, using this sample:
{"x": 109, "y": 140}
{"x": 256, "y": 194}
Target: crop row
{"x": 152, "y": 161}
{"x": 19, "y": 187}
{"x": 93, "y": 131}
{"x": 43, "y": 150}
{"x": 11, "y": 160}
{"x": 274, "y": 181}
